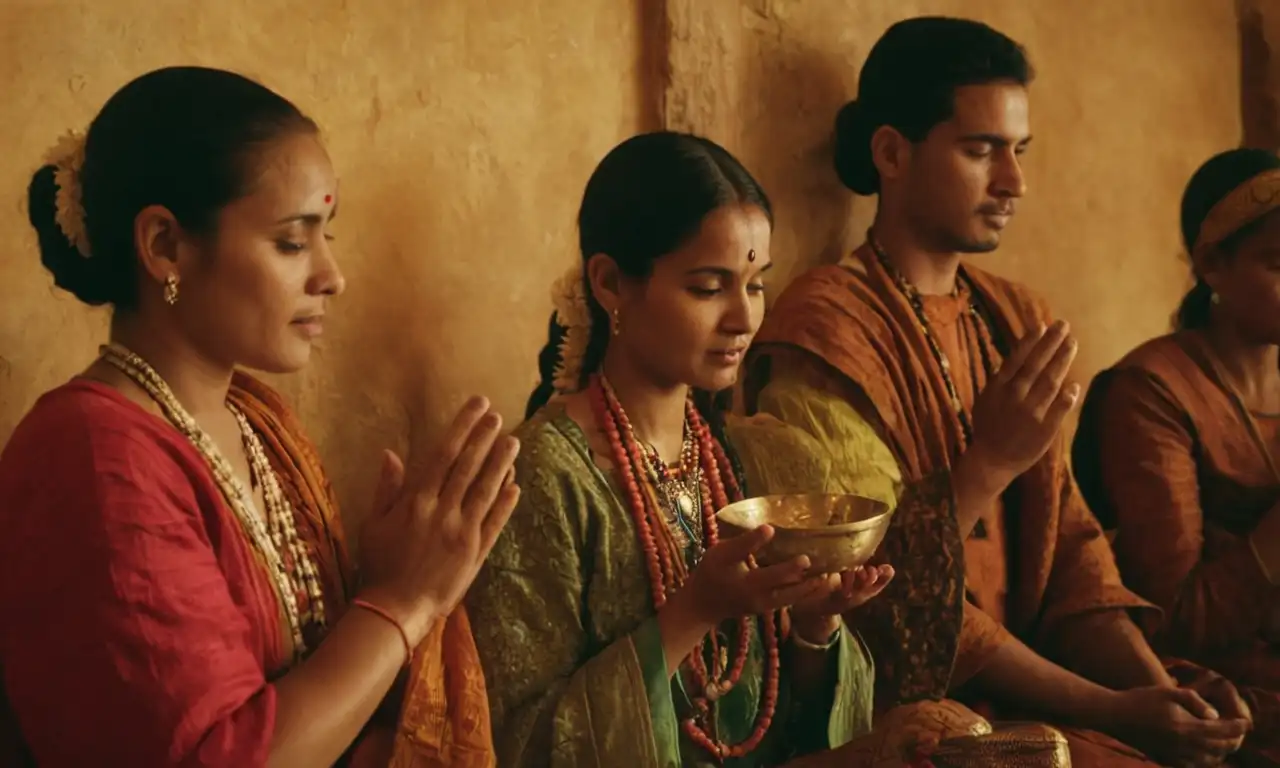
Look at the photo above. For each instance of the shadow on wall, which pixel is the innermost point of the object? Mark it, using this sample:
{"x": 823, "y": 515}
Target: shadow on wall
{"x": 653, "y": 41}
{"x": 791, "y": 98}
{"x": 1259, "y": 105}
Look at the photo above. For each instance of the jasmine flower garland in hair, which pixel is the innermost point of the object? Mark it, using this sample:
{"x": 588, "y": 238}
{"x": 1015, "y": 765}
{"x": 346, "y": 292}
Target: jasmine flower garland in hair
{"x": 573, "y": 314}
{"x": 67, "y": 159}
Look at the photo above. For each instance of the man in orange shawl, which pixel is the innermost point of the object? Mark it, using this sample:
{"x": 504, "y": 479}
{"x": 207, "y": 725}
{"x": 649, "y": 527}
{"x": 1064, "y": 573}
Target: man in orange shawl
{"x": 893, "y": 360}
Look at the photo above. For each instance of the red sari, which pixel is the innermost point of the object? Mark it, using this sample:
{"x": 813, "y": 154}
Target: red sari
{"x": 126, "y": 579}
{"x": 140, "y": 626}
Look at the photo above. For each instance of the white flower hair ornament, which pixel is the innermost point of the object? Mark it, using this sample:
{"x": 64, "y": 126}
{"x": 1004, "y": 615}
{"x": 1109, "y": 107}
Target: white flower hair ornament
{"x": 573, "y": 314}
{"x": 67, "y": 159}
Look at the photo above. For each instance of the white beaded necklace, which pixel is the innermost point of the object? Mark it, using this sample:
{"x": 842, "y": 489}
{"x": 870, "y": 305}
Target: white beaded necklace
{"x": 278, "y": 532}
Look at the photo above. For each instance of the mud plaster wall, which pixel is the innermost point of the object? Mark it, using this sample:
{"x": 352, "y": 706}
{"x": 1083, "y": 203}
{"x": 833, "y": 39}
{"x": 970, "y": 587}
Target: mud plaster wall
{"x": 1130, "y": 96}
{"x": 464, "y": 131}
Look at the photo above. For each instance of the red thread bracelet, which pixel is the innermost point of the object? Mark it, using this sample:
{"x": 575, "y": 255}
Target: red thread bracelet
{"x": 404, "y": 636}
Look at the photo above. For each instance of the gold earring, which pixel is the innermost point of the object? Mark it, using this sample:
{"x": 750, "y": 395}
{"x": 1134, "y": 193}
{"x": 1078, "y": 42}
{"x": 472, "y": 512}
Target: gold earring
{"x": 171, "y": 289}
{"x": 617, "y": 323}
{"x": 1214, "y": 298}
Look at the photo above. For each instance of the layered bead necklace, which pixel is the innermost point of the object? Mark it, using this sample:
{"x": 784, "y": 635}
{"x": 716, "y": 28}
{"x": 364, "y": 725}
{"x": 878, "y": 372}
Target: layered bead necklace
{"x": 706, "y": 483}
{"x": 916, "y": 300}
{"x": 985, "y": 345}
{"x": 292, "y": 569}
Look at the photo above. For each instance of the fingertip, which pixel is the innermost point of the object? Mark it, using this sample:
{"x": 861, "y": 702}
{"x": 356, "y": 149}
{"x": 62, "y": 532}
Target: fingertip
{"x": 506, "y": 500}
{"x": 475, "y": 408}
{"x": 392, "y": 463}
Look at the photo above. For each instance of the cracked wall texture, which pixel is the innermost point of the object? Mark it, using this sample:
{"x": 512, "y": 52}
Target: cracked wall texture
{"x": 464, "y": 131}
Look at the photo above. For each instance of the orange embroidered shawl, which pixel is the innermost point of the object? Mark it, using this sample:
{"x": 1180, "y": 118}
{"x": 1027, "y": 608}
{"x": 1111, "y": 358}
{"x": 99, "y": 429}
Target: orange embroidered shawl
{"x": 854, "y": 319}
{"x": 444, "y": 719}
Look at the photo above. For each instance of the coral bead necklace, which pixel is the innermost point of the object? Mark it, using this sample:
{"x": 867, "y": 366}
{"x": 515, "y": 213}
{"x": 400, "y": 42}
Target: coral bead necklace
{"x": 670, "y": 551}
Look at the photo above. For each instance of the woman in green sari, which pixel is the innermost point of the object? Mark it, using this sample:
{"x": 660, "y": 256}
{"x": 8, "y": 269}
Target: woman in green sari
{"x": 614, "y": 627}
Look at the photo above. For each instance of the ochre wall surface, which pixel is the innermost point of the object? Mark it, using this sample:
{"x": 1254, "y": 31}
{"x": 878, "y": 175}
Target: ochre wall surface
{"x": 464, "y": 131}
{"x": 1130, "y": 96}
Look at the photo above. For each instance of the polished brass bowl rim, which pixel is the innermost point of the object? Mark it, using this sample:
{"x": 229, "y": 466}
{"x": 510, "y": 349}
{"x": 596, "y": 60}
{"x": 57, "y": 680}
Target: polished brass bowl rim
{"x": 826, "y": 530}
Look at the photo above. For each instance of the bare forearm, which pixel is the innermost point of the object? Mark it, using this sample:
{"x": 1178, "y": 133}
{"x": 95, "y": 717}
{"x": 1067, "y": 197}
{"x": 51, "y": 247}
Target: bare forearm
{"x": 977, "y": 489}
{"x": 810, "y": 672}
{"x": 1108, "y": 648}
{"x": 812, "y": 676}
{"x": 810, "y": 653}
{"x": 1019, "y": 676}
{"x": 323, "y": 704}
{"x": 681, "y": 630}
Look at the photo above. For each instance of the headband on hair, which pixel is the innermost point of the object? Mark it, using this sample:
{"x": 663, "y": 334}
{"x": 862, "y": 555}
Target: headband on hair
{"x": 67, "y": 159}
{"x": 573, "y": 314}
{"x": 1241, "y": 207}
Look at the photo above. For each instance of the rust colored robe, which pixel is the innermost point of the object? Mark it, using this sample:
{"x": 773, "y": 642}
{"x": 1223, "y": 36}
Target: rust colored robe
{"x": 851, "y": 321}
{"x": 1165, "y": 458}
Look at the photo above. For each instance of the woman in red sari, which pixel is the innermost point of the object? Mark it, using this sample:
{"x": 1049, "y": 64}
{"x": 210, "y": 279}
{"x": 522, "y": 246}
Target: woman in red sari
{"x": 173, "y": 575}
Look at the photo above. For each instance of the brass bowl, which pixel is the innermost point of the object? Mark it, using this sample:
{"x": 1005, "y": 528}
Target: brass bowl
{"x": 838, "y": 533}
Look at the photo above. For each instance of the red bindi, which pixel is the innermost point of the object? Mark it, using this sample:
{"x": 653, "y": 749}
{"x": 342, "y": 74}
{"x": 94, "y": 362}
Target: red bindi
{"x": 328, "y": 199}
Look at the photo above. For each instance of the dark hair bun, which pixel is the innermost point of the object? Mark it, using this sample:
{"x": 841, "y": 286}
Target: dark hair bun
{"x": 71, "y": 271}
{"x": 853, "y": 162}
{"x": 183, "y": 138}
